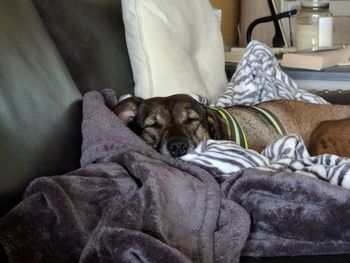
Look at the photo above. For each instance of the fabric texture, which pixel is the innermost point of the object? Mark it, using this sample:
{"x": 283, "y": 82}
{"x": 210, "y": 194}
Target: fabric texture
{"x": 259, "y": 78}
{"x": 174, "y": 47}
{"x": 291, "y": 215}
{"x": 40, "y": 106}
{"x": 223, "y": 158}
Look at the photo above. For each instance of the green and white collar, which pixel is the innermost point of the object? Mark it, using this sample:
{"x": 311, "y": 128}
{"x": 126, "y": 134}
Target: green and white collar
{"x": 235, "y": 131}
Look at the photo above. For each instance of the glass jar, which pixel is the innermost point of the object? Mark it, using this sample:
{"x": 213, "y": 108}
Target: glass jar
{"x": 314, "y": 25}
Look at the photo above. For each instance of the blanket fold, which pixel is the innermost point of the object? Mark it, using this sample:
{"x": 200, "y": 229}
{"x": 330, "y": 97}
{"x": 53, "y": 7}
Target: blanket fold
{"x": 291, "y": 214}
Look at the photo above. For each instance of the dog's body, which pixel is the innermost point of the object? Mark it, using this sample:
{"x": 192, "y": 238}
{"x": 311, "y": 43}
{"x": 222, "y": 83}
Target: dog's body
{"x": 176, "y": 124}
{"x": 331, "y": 137}
{"x": 296, "y": 116}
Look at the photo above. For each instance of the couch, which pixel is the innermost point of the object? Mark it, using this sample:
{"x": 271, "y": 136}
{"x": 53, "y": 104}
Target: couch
{"x": 52, "y": 53}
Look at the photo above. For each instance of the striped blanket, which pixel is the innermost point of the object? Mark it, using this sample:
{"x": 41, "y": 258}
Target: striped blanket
{"x": 224, "y": 158}
{"x": 259, "y": 78}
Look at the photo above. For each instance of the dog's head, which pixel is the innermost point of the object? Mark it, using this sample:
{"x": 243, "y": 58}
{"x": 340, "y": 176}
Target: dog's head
{"x": 172, "y": 125}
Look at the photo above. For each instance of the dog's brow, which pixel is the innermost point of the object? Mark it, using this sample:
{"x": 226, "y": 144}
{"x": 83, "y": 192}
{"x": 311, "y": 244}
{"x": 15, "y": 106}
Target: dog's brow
{"x": 154, "y": 117}
{"x": 187, "y": 113}
{"x": 192, "y": 113}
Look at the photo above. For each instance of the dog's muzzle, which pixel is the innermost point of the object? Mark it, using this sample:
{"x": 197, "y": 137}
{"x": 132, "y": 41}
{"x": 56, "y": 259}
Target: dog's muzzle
{"x": 177, "y": 146}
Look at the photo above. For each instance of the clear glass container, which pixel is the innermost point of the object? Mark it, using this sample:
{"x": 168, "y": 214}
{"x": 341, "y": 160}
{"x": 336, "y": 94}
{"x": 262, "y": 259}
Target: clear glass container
{"x": 314, "y": 25}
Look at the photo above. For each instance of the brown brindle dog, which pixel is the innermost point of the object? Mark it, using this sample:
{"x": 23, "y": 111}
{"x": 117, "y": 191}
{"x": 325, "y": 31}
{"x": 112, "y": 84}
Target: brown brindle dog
{"x": 176, "y": 124}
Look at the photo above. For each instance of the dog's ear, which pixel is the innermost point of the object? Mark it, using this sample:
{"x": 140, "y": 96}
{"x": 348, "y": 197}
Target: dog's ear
{"x": 126, "y": 110}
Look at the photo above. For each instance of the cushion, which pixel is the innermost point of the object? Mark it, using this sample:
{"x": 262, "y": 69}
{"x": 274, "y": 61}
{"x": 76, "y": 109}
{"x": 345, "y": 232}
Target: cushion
{"x": 174, "y": 47}
{"x": 90, "y": 37}
{"x": 40, "y": 105}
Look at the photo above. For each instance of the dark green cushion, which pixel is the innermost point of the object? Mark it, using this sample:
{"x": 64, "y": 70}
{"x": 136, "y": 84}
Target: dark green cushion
{"x": 90, "y": 37}
{"x": 40, "y": 105}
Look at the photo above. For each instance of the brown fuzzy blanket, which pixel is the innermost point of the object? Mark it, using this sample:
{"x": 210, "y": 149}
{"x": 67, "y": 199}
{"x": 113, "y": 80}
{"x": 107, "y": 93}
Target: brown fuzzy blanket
{"x": 130, "y": 204}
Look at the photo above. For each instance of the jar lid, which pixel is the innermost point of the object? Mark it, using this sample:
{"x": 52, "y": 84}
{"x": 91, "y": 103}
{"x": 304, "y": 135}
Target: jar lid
{"x": 315, "y": 3}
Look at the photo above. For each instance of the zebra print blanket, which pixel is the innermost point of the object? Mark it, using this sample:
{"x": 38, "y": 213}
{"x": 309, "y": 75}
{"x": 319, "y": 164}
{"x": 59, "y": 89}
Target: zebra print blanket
{"x": 259, "y": 78}
{"x": 224, "y": 158}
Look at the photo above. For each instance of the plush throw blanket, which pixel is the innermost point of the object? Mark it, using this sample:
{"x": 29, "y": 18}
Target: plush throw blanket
{"x": 128, "y": 203}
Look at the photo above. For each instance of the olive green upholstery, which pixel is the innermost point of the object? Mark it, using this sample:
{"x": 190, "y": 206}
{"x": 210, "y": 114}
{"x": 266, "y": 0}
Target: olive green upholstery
{"x": 90, "y": 37}
{"x": 52, "y": 52}
{"x": 39, "y": 103}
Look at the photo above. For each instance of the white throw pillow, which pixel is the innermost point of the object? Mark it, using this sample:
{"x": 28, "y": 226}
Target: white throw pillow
{"x": 175, "y": 46}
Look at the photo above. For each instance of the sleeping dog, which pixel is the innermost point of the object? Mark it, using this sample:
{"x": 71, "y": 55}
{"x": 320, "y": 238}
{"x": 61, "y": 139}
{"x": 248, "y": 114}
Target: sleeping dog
{"x": 175, "y": 125}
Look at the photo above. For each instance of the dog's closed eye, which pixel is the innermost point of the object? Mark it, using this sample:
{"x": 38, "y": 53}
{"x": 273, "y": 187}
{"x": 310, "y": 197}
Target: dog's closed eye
{"x": 154, "y": 125}
{"x": 190, "y": 120}
{"x": 190, "y": 116}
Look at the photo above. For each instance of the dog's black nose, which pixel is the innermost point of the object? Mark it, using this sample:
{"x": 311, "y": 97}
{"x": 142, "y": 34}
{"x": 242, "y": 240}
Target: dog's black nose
{"x": 177, "y": 146}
